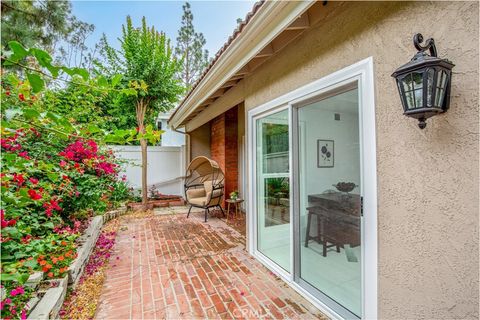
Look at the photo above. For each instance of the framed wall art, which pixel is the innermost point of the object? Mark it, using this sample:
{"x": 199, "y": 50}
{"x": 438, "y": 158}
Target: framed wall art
{"x": 325, "y": 153}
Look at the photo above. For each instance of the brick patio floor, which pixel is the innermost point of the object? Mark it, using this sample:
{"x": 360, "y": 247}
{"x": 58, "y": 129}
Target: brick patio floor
{"x": 166, "y": 266}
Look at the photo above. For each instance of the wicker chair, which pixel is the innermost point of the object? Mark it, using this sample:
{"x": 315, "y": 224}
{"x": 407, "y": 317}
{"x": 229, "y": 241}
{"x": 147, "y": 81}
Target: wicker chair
{"x": 204, "y": 185}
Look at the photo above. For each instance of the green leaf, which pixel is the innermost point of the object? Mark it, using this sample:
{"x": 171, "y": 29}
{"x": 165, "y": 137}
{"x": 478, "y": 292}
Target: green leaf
{"x": 12, "y": 232}
{"x": 7, "y": 277}
{"x": 30, "y": 114}
{"x": 52, "y": 116}
{"x": 20, "y": 255}
{"x": 22, "y": 277}
{"x": 93, "y": 128}
{"x": 66, "y": 125}
{"x": 114, "y": 139}
{"x": 31, "y": 263}
{"x": 76, "y": 71}
{"x": 45, "y": 60}
{"x": 129, "y": 92}
{"x": 19, "y": 52}
{"x": 9, "y": 157}
{"x": 36, "y": 82}
{"x": 53, "y": 176}
{"x": 116, "y": 79}
{"x": 49, "y": 225}
{"x": 102, "y": 81}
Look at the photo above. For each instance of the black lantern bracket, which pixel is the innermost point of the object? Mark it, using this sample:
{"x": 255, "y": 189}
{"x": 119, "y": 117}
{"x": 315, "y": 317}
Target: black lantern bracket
{"x": 424, "y": 82}
{"x": 429, "y": 45}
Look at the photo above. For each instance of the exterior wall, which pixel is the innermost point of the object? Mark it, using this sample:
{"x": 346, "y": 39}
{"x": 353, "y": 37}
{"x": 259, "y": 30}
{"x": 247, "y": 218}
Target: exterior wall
{"x": 200, "y": 141}
{"x": 428, "y": 189}
{"x": 171, "y": 138}
{"x": 165, "y": 167}
{"x": 224, "y": 147}
{"x": 242, "y": 158}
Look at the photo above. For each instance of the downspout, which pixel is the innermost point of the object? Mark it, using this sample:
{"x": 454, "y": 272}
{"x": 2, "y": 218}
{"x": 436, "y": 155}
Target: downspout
{"x": 187, "y": 147}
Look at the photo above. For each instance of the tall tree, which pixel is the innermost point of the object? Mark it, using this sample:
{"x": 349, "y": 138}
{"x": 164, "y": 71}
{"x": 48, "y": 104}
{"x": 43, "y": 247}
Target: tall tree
{"x": 148, "y": 65}
{"x": 46, "y": 24}
{"x": 190, "y": 48}
{"x": 35, "y": 23}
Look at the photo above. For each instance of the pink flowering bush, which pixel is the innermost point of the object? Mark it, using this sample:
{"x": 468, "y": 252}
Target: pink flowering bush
{"x": 13, "y": 304}
{"x": 55, "y": 176}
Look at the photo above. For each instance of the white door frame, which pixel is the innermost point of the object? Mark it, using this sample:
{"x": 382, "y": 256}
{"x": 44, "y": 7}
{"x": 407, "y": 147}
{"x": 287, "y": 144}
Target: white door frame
{"x": 363, "y": 73}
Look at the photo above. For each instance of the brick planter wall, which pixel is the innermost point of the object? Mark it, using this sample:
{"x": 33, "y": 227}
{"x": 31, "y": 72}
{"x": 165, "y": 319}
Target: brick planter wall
{"x": 224, "y": 147}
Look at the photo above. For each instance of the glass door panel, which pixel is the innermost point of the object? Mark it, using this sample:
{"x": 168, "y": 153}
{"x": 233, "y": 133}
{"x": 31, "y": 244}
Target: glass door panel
{"x": 273, "y": 188}
{"x": 329, "y": 199}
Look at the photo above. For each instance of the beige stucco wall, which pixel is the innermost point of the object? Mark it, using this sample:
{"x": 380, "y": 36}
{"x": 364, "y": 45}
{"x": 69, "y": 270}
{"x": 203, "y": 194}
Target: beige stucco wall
{"x": 427, "y": 179}
{"x": 200, "y": 141}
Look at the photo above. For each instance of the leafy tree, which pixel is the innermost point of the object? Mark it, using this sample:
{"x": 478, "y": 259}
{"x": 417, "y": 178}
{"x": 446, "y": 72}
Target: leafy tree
{"x": 35, "y": 22}
{"x": 149, "y": 67}
{"x": 190, "y": 49}
{"x": 43, "y": 23}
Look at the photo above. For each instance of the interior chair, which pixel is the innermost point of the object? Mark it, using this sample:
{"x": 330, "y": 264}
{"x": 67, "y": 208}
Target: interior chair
{"x": 204, "y": 185}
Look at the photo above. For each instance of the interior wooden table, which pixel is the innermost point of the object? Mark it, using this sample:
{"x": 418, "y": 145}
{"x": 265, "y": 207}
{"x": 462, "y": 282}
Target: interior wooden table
{"x": 338, "y": 220}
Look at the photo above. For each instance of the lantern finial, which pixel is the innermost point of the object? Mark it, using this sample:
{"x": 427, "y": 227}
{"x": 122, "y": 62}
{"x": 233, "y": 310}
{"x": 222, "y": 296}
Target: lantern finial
{"x": 429, "y": 44}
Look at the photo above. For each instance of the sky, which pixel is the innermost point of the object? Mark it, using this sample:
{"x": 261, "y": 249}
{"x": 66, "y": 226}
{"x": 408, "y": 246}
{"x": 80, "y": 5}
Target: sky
{"x": 215, "y": 19}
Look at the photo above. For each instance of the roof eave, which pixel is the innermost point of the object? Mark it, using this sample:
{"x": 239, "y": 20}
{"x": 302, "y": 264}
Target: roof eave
{"x": 270, "y": 20}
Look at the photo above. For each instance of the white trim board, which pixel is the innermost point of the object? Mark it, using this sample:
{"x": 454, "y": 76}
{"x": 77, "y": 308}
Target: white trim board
{"x": 361, "y": 72}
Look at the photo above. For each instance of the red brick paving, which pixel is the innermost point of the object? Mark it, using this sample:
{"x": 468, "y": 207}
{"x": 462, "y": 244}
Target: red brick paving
{"x": 171, "y": 267}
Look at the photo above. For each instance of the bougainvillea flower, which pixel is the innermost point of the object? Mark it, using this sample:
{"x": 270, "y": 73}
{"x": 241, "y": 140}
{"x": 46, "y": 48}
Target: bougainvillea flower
{"x": 105, "y": 168}
{"x": 24, "y": 154}
{"x": 19, "y": 179}
{"x": 80, "y": 150}
{"x": 33, "y": 180}
{"x": 34, "y": 195}
{"x": 62, "y": 163}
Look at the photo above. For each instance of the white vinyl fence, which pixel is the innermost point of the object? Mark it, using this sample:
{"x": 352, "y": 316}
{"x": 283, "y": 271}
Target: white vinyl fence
{"x": 165, "y": 167}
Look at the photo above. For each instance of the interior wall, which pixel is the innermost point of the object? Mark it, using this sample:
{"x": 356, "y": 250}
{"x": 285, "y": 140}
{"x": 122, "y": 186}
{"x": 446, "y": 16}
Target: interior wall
{"x": 317, "y": 122}
{"x": 200, "y": 141}
{"x": 428, "y": 191}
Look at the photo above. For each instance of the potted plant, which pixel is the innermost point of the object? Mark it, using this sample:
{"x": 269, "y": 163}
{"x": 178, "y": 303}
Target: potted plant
{"x": 234, "y": 195}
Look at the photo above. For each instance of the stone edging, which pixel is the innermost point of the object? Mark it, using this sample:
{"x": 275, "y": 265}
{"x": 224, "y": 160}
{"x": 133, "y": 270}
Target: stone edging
{"x": 49, "y": 305}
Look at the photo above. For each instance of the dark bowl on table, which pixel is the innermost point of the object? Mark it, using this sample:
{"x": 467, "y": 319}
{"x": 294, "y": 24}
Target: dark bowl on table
{"x": 345, "y": 186}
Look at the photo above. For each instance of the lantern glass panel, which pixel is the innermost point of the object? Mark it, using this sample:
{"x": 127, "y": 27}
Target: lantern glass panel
{"x": 430, "y": 76}
{"x": 410, "y": 99}
{"x": 413, "y": 88}
{"x": 417, "y": 78}
{"x": 419, "y": 98}
{"x": 440, "y": 88}
{"x": 407, "y": 83}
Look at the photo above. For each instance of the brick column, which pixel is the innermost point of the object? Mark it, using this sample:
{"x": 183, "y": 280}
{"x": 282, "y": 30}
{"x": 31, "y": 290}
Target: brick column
{"x": 224, "y": 147}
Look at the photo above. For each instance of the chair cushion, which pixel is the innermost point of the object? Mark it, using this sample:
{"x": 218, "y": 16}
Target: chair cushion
{"x": 200, "y": 201}
{"x": 208, "y": 185}
{"x": 195, "y": 193}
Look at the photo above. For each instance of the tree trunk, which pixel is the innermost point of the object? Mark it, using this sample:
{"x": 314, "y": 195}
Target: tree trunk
{"x": 143, "y": 145}
{"x": 141, "y": 108}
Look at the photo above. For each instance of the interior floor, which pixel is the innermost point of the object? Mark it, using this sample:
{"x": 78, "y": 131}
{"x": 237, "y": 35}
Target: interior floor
{"x": 337, "y": 275}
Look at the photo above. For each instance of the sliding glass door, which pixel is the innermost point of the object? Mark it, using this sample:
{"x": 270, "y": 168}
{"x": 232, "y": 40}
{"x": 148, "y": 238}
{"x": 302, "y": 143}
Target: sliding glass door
{"x": 313, "y": 190}
{"x": 273, "y": 188}
{"x": 329, "y": 199}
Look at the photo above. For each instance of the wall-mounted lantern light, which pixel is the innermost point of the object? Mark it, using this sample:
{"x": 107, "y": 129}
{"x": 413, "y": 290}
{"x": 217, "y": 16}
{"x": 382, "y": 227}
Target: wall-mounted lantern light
{"x": 424, "y": 82}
